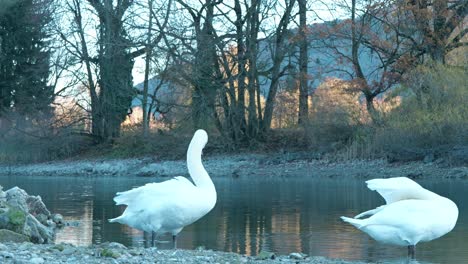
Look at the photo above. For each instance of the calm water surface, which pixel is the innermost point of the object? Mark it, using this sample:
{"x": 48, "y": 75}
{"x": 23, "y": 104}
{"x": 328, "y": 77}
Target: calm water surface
{"x": 283, "y": 216}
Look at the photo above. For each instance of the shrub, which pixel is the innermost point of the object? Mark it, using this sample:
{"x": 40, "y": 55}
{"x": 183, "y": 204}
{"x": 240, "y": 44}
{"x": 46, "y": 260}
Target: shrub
{"x": 20, "y": 147}
{"x": 17, "y": 218}
{"x": 432, "y": 116}
{"x": 335, "y": 113}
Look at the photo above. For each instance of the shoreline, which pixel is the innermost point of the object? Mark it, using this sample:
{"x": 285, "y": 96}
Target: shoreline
{"x": 241, "y": 166}
{"x": 117, "y": 253}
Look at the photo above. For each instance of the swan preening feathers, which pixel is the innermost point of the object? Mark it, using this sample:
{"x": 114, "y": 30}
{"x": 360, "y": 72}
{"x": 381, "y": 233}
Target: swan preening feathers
{"x": 411, "y": 214}
{"x": 169, "y": 206}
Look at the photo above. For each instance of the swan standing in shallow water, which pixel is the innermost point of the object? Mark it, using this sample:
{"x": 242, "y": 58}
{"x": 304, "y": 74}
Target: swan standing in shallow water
{"x": 169, "y": 206}
{"x": 411, "y": 214}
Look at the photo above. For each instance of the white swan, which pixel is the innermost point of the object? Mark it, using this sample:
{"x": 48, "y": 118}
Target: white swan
{"x": 411, "y": 215}
{"x": 169, "y": 206}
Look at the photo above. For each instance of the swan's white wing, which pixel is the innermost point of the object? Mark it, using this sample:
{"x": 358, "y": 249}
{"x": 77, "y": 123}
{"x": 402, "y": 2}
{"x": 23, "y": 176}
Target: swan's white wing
{"x": 396, "y": 189}
{"x": 152, "y": 190}
{"x": 408, "y": 222}
{"x": 164, "y": 207}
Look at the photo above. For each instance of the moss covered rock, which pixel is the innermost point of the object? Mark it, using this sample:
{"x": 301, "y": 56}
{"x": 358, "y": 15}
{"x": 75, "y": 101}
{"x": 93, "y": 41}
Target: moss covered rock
{"x": 10, "y": 236}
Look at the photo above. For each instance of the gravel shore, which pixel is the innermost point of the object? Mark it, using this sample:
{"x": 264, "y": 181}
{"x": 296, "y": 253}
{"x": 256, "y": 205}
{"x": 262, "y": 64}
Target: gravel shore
{"x": 249, "y": 165}
{"x": 115, "y": 253}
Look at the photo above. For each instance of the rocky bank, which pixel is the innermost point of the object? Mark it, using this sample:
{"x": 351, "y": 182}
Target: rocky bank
{"x": 24, "y": 218}
{"x": 115, "y": 253}
{"x": 248, "y": 166}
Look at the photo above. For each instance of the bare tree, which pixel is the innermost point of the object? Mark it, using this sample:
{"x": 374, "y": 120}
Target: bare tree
{"x": 148, "y": 50}
{"x": 303, "y": 115}
{"x": 150, "y": 45}
{"x": 80, "y": 50}
{"x": 275, "y": 72}
{"x": 441, "y": 23}
{"x": 379, "y": 53}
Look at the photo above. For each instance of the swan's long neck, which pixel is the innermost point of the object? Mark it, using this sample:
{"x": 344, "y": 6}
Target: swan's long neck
{"x": 195, "y": 167}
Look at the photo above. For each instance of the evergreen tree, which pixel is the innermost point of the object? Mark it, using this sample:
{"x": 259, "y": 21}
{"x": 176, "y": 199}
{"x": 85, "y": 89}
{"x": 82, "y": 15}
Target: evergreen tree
{"x": 25, "y": 57}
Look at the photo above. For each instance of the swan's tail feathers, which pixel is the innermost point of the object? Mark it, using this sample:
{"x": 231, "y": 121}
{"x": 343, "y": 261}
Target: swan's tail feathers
{"x": 115, "y": 220}
{"x": 125, "y": 198}
{"x": 370, "y": 212}
{"x": 120, "y": 199}
{"x": 355, "y": 222}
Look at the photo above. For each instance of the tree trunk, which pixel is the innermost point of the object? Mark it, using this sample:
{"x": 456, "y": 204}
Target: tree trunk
{"x": 441, "y": 32}
{"x": 240, "y": 121}
{"x": 116, "y": 64}
{"x": 144, "y": 104}
{"x": 253, "y": 26}
{"x": 303, "y": 117}
{"x": 280, "y": 51}
{"x": 97, "y": 119}
{"x": 204, "y": 72}
{"x": 360, "y": 77}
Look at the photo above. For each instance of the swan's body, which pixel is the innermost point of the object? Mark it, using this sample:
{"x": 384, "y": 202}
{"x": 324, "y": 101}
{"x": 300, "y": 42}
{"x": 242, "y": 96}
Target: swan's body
{"x": 169, "y": 206}
{"x": 411, "y": 215}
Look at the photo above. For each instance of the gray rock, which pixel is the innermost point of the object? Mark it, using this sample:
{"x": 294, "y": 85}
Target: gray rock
{"x": 25, "y": 247}
{"x": 459, "y": 155}
{"x": 264, "y": 255}
{"x": 36, "y": 260}
{"x": 37, "y": 231}
{"x": 429, "y": 158}
{"x": 42, "y": 218}
{"x": 68, "y": 251}
{"x": 116, "y": 245}
{"x": 36, "y": 206}
{"x": 2, "y": 194}
{"x": 51, "y": 223}
{"x": 16, "y": 197}
{"x": 20, "y": 261}
{"x": 296, "y": 255}
{"x": 10, "y": 236}
{"x": 27, "y": 215}
{"x": 3, "y": 247}
{"x": 6, "y": 254}
{"x": 4, "y": 220}
{"x": 58, "y": 219}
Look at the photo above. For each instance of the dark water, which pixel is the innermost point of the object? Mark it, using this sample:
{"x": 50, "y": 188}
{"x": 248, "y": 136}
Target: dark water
{"x": 283, "y": 216}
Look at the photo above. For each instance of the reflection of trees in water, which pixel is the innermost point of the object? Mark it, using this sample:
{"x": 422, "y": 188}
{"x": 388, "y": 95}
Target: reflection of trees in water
{"x": 75, "y": 201}
{"x": 82, "y": 233}
{"x": 104, "y": 209}
{"x": 281, "y": 216}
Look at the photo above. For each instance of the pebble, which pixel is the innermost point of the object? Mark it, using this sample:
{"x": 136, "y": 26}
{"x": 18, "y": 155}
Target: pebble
{"x": 296, "y": 255}
{"x": 36, "y": 260}
{"x": 68, "y": 251}
{"x": 7, "y": 255}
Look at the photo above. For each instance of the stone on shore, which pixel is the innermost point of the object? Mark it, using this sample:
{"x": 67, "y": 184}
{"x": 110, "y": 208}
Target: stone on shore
{"x": 24, "y": 217}
{"x": 10, "y": 236}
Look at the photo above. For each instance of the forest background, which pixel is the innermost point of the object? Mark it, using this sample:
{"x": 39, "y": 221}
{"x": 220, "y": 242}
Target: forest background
{"x": 342, "y": 80}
